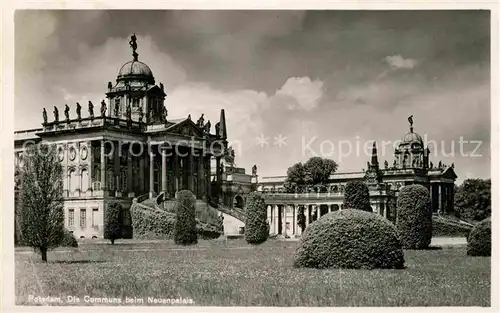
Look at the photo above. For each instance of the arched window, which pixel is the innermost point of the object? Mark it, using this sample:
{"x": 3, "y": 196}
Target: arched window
{"x": 111, "y": 180}
{"x": 73, "y": 180}
{"x": 85, "y": 180}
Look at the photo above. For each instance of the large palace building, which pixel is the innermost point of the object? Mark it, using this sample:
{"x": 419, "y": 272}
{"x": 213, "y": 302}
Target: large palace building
{"x": 130, "y": 148}
{"x": 411, "y": 165}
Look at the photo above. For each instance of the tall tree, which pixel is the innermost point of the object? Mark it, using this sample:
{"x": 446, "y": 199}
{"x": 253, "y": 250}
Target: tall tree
{"x": 473, "y": 199}
{"x": 42, "y": 221}
{"x": 314, "y": 173}
{"x": 113, "y": 222}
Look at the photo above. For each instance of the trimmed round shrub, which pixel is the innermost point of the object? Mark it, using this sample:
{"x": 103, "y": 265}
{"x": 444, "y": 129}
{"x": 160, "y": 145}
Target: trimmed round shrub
{"x": 414, "y": 217}
{"x": 479, "y": 239}
{"x": 185, "y": 232}
{"x": 357, "y": 196}
{"x": 69, "y": 240}
{"x": 256, "y": 226}
{"x": 113, "y": 222}
{"x": 350, "y": 239}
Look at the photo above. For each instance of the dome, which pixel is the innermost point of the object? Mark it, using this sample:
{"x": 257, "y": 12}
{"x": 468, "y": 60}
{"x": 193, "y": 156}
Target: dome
{"x": 412, "y": 137}
{"x": 135, "y": 70}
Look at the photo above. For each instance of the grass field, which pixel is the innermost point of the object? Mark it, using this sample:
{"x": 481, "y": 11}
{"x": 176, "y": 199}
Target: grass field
{"x": 231, "y": 273}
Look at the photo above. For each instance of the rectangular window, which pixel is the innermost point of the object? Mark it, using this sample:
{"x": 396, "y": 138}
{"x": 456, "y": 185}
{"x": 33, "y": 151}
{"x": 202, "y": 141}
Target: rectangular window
{"x": 71, "y": 217}
{"x": 95, "y": 213}
{"x": 83, "y": 218}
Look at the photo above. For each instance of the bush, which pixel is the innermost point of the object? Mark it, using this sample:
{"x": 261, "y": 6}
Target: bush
{"x": 443, "y": 227}
{"x": 479, "y": 239}
{"x": 414, "y": 217}
{"x": 69, "y": 240}
{"x": 185, "y": 232}
{"x": 357, "y": 196}
{"x": 113, "y": 222}
{"x": 350, "y": 239}
{"x": 256, "y": 226}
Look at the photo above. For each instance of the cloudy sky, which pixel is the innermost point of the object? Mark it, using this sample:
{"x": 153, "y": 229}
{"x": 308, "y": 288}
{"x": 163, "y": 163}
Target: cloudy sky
{"x": 322, "y": 81}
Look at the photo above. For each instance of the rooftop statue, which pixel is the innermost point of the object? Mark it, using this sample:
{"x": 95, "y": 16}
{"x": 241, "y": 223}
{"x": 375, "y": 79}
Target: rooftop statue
{"x": 386, "y": 164}
{"x": 217, "y": 129}
{"x": 410, "y": 120}
{"x": 91, "y": 110}
{"x": 207, "y": 127}
{"x": 201, "y": 121}
{"x": 44, "y": 114}
{"x": 164, "y": 113}
{"x": 56, "y": 114}
{"x": 66, "y": 112}
{"x": 141, "y": 114}
{"x": 189, "y": 117}
{"x": 133, "y": 45}
{"x": 254, "y": 170}
{"x": 103, "y": 108}
{"x": 78, "y": 111}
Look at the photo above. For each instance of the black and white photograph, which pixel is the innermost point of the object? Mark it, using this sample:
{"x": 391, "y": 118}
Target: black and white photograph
{"x": 184, "y": 158}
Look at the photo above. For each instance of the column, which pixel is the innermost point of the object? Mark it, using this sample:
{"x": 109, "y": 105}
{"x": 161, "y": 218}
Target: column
{"x": 163, "y": 170}
{"x": 218, "y": 175}
{"x": 117, "y": 168}
{"x": 176, "y": 171}
{"x": 452, "y": 198}
{"x": 103, "y": 168}
{"x": 283, "y": 220}
{"x": 151, "y": 173}
{"x": 191, "y": 170}
{"x": 201, "y": 177}
{"x": 90, "y": 158}
{"x": 207, "y": 180}
{"x": 440, "y": 204}
{"x": 431, "y": 196}
{"x": 306, "y": 212}
{"x": 269, "y": 217}
{"x": 142, "y": 182}
{"x": 295, "y": 219}
{"x": 130, "y": 181}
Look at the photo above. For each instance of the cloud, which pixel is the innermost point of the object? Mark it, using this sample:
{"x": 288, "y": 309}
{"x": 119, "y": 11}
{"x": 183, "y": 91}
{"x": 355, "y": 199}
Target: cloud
{"x": 397, "y": 61}
{"x": 305, "y": 92}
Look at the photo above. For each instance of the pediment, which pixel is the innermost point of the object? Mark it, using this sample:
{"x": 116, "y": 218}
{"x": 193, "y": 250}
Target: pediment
{"x": 449, "y": 173}
{"x": 186, "y": 128}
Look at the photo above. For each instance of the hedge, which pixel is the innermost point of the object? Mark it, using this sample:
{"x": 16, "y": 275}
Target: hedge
{"x": 441, "y": 227}
{"x": 357, "y": 196}
{"x": 479, "y": 239}
{"x": 113, "y": 222}
{"x": 414, "y": 217}
{"x": 69, "y": 240}
{"x": 150, "y": 224}
{"x": 185, "y": 224}
{"x": 256, "y": 226}
{"x": 350, "y": 239}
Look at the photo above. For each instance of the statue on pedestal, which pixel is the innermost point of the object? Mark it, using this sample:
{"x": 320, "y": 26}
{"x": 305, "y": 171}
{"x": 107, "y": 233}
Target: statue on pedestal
{"x": 117, "y": 108}
{"x": 56, "y": 114}
{"x": 128, "y": 114}
{"x": 164, "y": 114}
{"x": 217, "y": 129}
{"x": 103, "y": 108}
{"x": 254, "y": 170}
{"x": 201, "y": 121}
{"x": 207, "y": 126}
{"x": 141, "y": 114}
{"x": 78, "y": 111}
{"x": 44, "y": 114}
{"x": 66, "y": 113}
{"x": 91, "y": 110}
{"x": 386, "y": 164}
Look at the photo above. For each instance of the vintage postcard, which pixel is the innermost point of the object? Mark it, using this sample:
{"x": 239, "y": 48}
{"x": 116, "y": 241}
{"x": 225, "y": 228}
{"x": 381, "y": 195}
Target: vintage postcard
{"x": 302, "y": 157}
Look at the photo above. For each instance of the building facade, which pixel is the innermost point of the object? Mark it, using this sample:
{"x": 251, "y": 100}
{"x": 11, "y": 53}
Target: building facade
{"x": 411, "y": 165}
{"x": 129, "y": 148}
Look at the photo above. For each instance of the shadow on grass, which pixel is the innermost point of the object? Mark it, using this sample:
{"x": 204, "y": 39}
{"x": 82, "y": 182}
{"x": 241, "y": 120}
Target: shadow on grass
{"x": 427, "y": 248}
{"x": 77, "y": 261}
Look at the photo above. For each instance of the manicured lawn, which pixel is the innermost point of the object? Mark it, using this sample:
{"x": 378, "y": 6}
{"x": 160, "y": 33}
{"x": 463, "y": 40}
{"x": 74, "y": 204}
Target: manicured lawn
{"x": 231, "y": 273}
